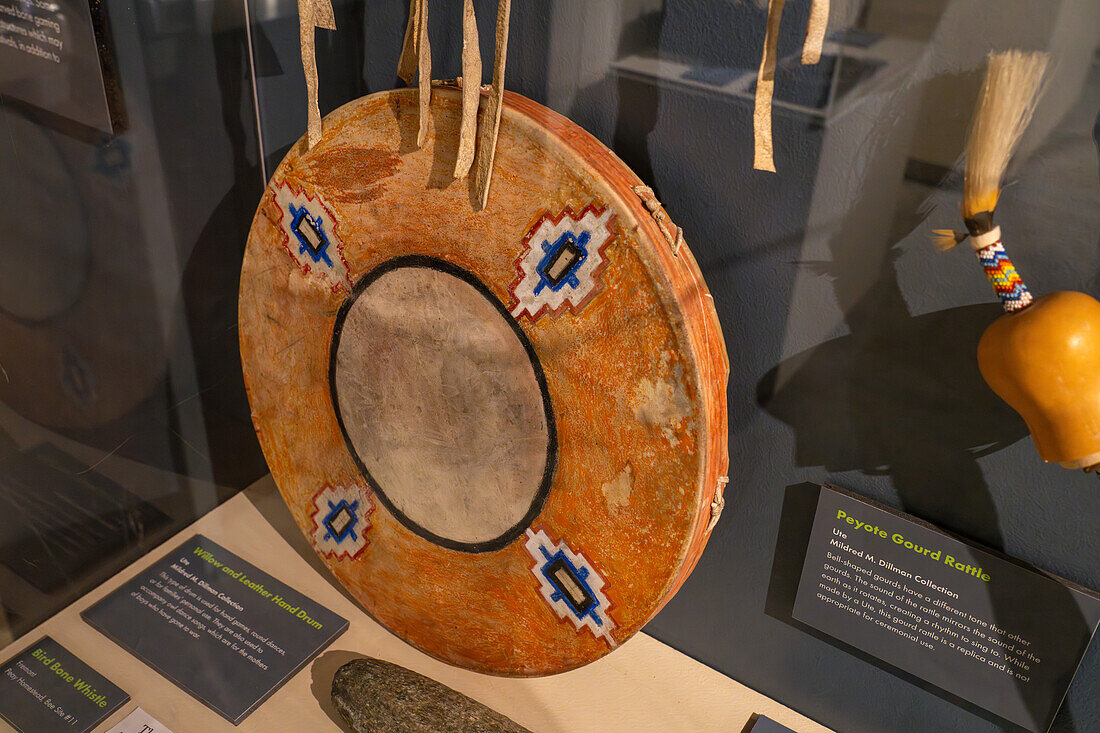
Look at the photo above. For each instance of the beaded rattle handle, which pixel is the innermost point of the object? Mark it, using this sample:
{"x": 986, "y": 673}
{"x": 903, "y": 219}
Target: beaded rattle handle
{"x": 1002, "y": 274}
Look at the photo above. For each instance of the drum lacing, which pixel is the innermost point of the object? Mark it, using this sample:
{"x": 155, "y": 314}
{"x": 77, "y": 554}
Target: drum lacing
{"x": 719, "y": 502}
{"x": 674, "y": 239}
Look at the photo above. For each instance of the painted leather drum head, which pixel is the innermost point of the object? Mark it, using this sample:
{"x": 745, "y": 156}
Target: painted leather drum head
{"x": 502, "y": 429}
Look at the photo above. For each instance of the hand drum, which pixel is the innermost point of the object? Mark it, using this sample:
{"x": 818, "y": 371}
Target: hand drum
{"x": 502, "y": 429}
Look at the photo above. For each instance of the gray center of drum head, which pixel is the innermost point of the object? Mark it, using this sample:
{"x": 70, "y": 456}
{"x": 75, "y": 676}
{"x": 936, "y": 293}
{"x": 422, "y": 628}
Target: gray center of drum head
{"x": 443, "y": 404}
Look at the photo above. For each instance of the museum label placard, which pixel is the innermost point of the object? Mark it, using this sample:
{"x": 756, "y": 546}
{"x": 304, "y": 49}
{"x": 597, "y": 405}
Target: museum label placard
{"x": 218, "y": 627}
{"x": 983, "y": 627}
{"x": 764, "y": 724}
{"x": 140, "y": 721}
{"x": 47, "y": 689}
{"x": 56, "y": 55}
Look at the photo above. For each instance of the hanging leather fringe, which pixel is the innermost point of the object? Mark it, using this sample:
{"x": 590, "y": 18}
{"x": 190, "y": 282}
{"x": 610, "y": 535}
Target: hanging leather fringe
{"x": 765, "y": 85}
{"x": 312, "y": 14}
{"x": 471, "y": 90}
{"x": 763, "y": 159}
{"x": 424, "y": 71}
{"x": 406, "y": 65}
{"x": 480, "y": 128}
{"x": 815, "y": 31}
{"x": 416, "y": 58}
{"x": 489, "y": 126}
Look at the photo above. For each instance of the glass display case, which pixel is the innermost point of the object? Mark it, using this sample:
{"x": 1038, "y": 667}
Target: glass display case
{"x": 137, "y": 141}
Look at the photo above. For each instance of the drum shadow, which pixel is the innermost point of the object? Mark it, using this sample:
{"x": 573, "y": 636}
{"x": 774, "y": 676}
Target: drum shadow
{"x": 266, "y": 499}
{"x": 208, "y": 301}
{"x": 900, "y": 396}
{"x": 446, "y": 117}
{"x": 231, "y": 46}
{"x": 638, "y": 100}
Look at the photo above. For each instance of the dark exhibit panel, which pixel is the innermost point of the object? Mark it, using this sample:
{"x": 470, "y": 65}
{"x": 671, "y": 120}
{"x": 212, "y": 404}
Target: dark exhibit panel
{"x": 128, "y": 180}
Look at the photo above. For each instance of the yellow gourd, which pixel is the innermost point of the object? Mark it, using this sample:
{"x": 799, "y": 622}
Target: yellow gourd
{"x": 1044, "y": 361}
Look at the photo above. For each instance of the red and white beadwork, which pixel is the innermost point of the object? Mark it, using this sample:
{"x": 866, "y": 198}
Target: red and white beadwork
{"x": 310, "y": 236}
{"x": 562, "y": 262}
{"x": 570, "y": 585}
{"x": 341, "y": 520}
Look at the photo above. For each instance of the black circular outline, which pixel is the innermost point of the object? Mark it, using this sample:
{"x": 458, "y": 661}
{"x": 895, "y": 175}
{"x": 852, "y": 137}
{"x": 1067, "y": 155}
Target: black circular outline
{"x": 539, "y": 501}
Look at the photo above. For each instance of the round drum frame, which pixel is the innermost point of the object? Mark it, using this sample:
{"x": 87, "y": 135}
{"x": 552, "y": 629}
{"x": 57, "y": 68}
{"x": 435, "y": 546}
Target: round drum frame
{"x": 624, "y": 358}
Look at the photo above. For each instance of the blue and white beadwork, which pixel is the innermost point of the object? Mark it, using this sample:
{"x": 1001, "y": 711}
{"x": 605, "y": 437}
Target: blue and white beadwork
{"x": 341, "y": 520}
{"x": 570, "y": 585}
{"x": 310, "y": 236}
{"x": 561, "y": 262}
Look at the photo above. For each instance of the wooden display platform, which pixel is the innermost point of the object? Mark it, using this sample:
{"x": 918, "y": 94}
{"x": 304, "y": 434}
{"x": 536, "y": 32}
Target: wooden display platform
{"x": 644, "y": 686}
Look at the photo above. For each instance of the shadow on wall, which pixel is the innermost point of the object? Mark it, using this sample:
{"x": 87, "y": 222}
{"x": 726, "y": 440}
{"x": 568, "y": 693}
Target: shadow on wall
{"x": 901, "y": 395}
{"x": 209, "y": 303}
{"x": 638, "y": 101}
{"x": 208, "y": 290}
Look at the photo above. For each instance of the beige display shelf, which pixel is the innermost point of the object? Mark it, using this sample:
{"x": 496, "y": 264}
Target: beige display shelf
{"x": 644, "y": 686}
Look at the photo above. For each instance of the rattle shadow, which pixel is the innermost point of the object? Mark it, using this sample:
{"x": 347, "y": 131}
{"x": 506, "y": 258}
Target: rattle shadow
{"x": 900, "y": 395}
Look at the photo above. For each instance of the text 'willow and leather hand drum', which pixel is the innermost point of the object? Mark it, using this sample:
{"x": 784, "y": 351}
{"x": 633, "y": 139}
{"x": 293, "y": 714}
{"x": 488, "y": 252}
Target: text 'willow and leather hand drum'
{"x": 503, "y": 429}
